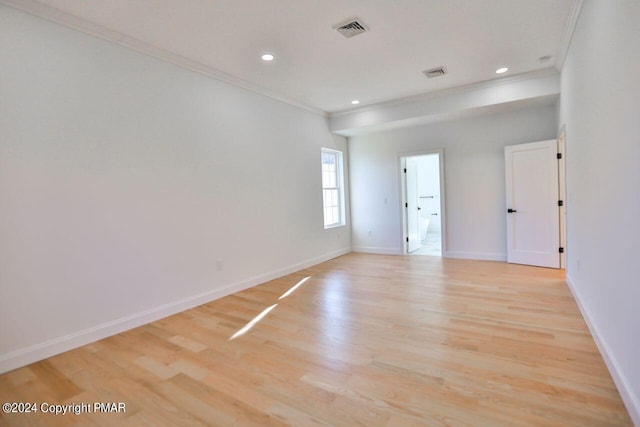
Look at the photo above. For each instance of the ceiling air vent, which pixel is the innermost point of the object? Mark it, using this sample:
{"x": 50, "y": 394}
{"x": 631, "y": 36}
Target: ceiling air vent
{"x": 351, "y": 28}
{"x": 435, "y": 72}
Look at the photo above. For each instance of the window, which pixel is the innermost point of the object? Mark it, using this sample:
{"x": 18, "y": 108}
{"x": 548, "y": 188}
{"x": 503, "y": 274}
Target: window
{"x": 332, "y": 188}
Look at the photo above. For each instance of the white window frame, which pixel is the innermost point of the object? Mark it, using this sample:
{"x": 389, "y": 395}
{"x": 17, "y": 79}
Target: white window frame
{"x": 338, "y": 200}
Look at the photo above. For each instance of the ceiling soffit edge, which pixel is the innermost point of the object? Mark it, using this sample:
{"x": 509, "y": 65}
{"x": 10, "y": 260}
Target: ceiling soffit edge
{"x": 449, "y": 116}
{"x": 532, "y": 75}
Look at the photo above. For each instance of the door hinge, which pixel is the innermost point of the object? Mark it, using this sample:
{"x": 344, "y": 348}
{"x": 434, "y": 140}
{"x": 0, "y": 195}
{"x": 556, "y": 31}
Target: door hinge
{"x": 407, "y": 240}
{"x": 559, "y": 156}
{"x": 560, "y": 203}
{"x": 405, "y": 170}
{"x": 406, "y": 205}
{"x": 561, "y": 250}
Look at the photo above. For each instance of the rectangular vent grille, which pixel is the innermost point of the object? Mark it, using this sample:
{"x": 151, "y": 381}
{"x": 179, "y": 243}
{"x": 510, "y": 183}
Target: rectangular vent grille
{"x": 435, "y": 72}
{"x": 351, "y": 28}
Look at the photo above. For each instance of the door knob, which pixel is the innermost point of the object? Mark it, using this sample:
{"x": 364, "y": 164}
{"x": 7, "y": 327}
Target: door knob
{"x": 511, "y": 210}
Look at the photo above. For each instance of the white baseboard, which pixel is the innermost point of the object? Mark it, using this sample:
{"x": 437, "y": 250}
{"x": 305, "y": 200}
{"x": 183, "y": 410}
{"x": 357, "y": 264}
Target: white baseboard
{"x": 481, "y": 256}
{"x": 377, "y": 250}
{"x": 25, "y": 356}
{"x": 629, "y": 398}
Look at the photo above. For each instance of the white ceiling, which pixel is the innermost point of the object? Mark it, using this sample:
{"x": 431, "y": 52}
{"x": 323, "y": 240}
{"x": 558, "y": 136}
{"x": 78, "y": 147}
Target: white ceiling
{"x": 318, "y": 67}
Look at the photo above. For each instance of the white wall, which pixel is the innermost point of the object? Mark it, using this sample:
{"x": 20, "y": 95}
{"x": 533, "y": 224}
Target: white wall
{"x": 600, "y": 106}
{"x": 474, "y": 180}
{"x": 123, "y": 181}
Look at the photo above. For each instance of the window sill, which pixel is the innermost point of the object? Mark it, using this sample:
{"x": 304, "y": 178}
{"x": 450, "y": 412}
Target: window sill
{"x": 328, "y": 227}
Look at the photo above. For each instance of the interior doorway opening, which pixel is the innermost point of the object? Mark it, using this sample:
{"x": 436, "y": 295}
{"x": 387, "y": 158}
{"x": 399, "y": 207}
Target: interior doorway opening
{"x": 423, "y": 193}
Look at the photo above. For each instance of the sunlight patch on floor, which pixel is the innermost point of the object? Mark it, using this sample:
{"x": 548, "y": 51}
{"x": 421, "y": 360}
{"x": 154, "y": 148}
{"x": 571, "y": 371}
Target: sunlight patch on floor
{"x": 255, "y": 320}
{"x": 294, "y": 287}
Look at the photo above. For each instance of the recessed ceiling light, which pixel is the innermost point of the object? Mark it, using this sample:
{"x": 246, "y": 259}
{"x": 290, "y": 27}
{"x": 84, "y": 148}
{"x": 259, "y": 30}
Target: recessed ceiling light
{"x": 355, "y": 102}
{"x": 502, "y": 70}
{"x": 267, "y": 57}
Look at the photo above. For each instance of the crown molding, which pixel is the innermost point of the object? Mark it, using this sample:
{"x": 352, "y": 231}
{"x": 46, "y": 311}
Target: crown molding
{"x": 49, "y": 13}
{"x": 531, "y": 75}
{"x": 567, "y": 34}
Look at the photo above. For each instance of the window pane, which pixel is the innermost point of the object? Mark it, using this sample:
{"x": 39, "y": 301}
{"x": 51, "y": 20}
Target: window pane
{"x": 335, "y": 215}
{"x": 332, "y": 193}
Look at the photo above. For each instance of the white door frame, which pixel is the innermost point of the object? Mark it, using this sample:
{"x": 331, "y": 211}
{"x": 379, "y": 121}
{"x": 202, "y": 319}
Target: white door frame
{"x": 562, "y": 182}
{"x": 403, "y": 191}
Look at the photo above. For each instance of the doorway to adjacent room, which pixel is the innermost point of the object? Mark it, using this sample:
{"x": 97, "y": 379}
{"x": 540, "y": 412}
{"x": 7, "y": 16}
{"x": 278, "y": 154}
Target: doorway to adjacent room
{"x": 423, "y": 204}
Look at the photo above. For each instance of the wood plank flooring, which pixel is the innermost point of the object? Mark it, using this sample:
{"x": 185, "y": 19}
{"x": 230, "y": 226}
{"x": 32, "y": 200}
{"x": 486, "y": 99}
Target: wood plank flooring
{"x": 368, "y": 340}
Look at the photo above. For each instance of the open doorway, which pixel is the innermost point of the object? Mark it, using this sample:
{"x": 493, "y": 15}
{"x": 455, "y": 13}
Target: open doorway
{"x": 422, "y": 183}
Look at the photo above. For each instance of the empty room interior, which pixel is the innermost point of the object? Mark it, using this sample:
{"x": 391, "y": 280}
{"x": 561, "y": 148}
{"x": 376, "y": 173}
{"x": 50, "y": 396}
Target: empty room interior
{"x": 337, "y": 212}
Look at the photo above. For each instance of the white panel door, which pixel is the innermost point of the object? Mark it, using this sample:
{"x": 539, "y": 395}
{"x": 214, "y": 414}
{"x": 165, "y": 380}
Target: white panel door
{"x": 533, "y": 220}
{"x": 413, "y": 225}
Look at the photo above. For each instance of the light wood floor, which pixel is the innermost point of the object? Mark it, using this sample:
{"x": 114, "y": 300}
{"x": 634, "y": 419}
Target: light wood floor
{"x": 367, "y": 340}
